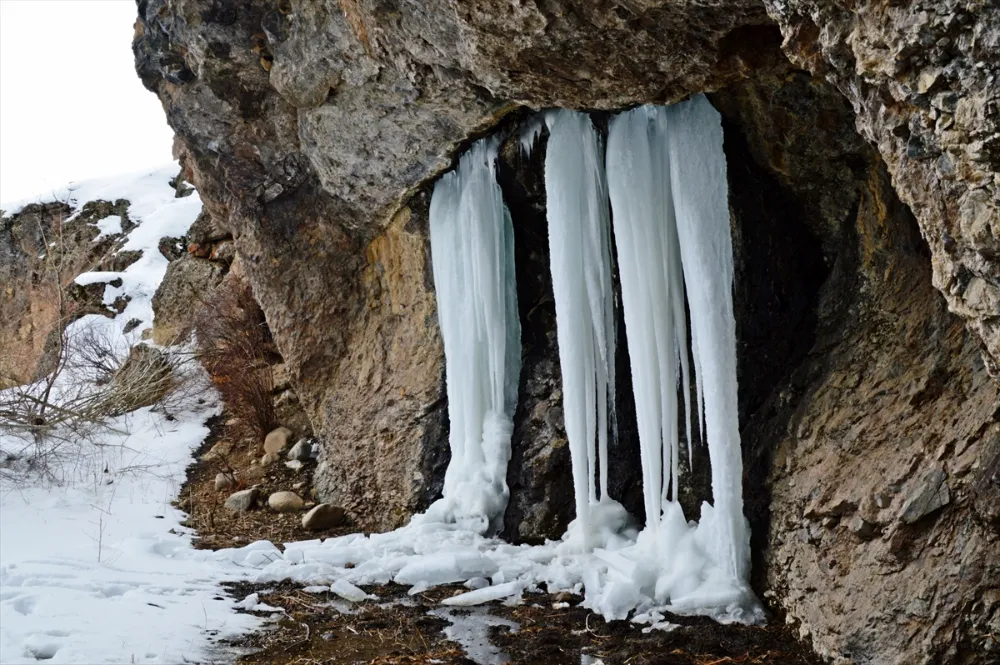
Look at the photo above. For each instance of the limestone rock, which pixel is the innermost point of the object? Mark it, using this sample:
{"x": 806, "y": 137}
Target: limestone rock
{"x": 301, "y": 451}
{"x": 323, "y": 516}
{"x": 277, "y": 439}
{"x": 184, "y": 288}
{"x": 285, "y": 502}
{"x": 242, "y": 501}
{"x": 223, "y": 481}
{"x": 294, "y": 465}
{"x": 269, "y": 458}
{"x": 220, "y": 450}
{"x": 930, "y": 494}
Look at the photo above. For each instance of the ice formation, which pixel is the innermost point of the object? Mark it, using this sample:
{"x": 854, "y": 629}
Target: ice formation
{"x": 667, "y": 184}
{"x": 472, "y": 252}
{"x": 664, "y": 176}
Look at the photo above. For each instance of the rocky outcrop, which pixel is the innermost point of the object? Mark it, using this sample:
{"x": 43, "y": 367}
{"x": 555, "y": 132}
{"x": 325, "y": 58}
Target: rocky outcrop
{"x": 43, "y": 247}
{"x": 924, "y": 81}
{"x": 313, "y": 132}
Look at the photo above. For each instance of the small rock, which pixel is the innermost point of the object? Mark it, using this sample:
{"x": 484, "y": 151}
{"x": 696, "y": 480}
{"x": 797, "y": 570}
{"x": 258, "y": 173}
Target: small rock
{"x": 218, "y": 451}
{"x": 255, "y": 473}
{"x": 269, "y": 458}
{"x": 299, "y": 485}
{"x": 929, "y": 495}
{"x": 294, "y": 465}
{"x": 301, "y": 451}
{"x": 285, "y": 502}
{"x": 861, "y": 528}
{"x": 242, "y": 501}
{"x": 224, "y": 481}
{"x": 277, "y": 440}
{"x": 324, "y": 516}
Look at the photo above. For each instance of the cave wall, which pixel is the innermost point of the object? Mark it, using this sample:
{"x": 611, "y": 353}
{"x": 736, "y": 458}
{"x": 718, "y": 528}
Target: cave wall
{"x": 313, "y": 129}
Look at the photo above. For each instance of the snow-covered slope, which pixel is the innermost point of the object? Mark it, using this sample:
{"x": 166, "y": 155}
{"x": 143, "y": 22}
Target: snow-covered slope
{"x": 94, "y": 565}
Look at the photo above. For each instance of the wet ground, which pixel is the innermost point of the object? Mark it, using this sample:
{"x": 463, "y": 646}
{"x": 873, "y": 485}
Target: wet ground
{"x": 321, "y": 629}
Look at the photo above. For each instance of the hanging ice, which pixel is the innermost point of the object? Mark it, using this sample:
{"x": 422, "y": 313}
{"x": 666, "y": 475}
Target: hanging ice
{"x": 698, "y": 177}
{"x": 472, "y": 252}
{"x": 580, "y": 255}
{"x": 667, "y": 184}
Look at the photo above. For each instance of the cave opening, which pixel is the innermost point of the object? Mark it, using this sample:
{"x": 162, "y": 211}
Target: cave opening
{"x": 786, "y": 254}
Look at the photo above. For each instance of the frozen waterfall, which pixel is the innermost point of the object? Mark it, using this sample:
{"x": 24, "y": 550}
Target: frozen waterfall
{"x": 580, "y": 255}
{"x": 666, "y": 181}
{"x": 472, "y": 252}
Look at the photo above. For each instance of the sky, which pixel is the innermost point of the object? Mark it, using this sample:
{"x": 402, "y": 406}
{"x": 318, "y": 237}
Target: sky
{"x": 71, "y": 105}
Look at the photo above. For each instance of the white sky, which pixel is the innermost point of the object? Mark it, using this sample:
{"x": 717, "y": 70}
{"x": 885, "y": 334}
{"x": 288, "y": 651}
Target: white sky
{"x": 71, "y": 105}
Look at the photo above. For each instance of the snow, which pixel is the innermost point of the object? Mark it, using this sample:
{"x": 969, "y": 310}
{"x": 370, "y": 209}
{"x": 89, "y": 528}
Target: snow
{"x": 472, "y": 252}
{"x": 95, "y": 566}
{"x": 109, "y": 226}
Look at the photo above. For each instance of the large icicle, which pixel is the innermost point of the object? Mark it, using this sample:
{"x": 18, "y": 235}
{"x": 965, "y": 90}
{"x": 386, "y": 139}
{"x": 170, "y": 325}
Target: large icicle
{"x": 698, "y": 176}
{"x": 652, "y": 292}
{"x": 666, "y": 176}
{"x": 580, "y": 255}
{"x": 472, "y": 252}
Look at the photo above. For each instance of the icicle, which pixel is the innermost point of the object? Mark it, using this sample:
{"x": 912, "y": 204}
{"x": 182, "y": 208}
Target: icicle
{"x": 580, "y": 250}
{"x": 472, "y": 252}
{"x": 640, "y": 191}
{"x": 530, "y": 133}
{"x": 698, "y": 175}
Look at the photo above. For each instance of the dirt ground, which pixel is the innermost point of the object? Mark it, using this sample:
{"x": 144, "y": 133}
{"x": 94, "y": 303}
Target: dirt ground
{"x": 398, "y": 629}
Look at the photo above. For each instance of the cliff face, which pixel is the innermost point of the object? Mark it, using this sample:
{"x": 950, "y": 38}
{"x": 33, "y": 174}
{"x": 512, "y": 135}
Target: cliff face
{"x": 314, "y": 129}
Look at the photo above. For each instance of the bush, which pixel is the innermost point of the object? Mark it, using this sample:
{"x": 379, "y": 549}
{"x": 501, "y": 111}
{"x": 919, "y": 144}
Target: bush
{"x": 235, "y": 346}
{"x": 70, "y": 412}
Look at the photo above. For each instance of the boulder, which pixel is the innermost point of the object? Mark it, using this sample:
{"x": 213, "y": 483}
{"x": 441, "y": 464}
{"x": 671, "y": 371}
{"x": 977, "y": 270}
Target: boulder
{"x": 224, "y": 480}
{"x": 277, "y": 440}
{"x": 184, "y": 288}
{"x": 242, "y": 501}
{"x": 285, "y": 502}
{"x": 323, "y": 516}
{"x": 301, "y": 451}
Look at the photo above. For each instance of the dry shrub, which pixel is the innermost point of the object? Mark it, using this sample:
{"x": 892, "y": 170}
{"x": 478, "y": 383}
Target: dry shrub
{"x": 73, "y": 411}
{"x": 236, "y": 347}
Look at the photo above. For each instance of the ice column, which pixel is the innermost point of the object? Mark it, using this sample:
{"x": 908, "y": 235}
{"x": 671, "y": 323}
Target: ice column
{"x": 472, "y": 252}
{"x": 700, "y": 190}
{"x": 580, "y": 256}
{"x": 667, "y": 182}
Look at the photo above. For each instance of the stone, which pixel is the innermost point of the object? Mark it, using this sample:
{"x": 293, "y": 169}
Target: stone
{"x": 269, "y": 458}
{"x": 323, "y": 516}
{"x": 254, "y": 473}
{"x": 277, "y": 440}
{"x": 220, "y": 450}
{"x": 223, "y": 481}
{"x": 930, "y": 494}
{"x": 862, "y": 528}
{"x": 301, "y": 451}
{"x": 242, "y": 501}
{"x": 184, "y": 287}
{"x": 294, "y": 465}
{"x": 285, "y": 502}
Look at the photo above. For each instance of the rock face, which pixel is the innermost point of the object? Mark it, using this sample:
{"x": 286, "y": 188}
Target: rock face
{"x": 869, "y": 421}
{"x": 43, "y": 247}
{"x": 924, "y": 81}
